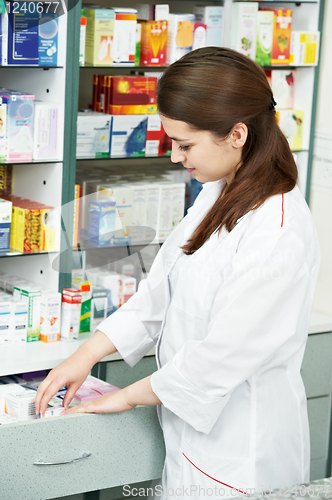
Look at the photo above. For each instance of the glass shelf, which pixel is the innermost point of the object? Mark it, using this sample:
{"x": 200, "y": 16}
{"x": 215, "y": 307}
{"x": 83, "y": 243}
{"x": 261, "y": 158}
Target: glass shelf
{"x": 20, "y": 66}
{"x": 134, "y": 68}
{"x": 123, "y": 158}
{"x": 15, "y": 162}
{"x": 15, "y": 253}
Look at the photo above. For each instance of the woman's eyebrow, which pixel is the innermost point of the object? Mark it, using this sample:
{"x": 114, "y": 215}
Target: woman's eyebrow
{"x": 179, "y": 140}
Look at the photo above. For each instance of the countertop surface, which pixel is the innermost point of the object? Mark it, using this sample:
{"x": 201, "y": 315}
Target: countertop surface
{"x": 34, "y": 356}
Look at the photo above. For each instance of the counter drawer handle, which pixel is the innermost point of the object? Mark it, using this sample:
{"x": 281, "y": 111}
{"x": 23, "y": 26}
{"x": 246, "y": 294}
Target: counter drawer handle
{"x": 85, "y": 455}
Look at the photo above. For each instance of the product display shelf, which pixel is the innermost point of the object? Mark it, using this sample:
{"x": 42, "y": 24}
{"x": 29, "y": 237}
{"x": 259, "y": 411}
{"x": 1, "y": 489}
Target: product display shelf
{"x": 14, "y": 253}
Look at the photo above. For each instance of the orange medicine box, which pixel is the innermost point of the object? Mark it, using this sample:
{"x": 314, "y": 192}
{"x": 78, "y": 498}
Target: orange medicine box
{"x": 153, "y": 43}
{"x": 282, "y": 30}
{"x": 132, "y": 95}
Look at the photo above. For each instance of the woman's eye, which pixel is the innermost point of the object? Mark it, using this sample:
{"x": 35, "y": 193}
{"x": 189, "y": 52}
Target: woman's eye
{"x": 184, "y": 148}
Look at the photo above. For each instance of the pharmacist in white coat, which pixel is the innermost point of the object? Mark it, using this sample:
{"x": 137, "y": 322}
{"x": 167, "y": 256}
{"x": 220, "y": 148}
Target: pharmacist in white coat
{"x": 228, "y": 298}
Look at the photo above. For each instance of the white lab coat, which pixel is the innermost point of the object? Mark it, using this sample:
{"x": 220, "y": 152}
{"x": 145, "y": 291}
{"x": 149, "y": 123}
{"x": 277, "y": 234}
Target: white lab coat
{"x": 230, "y": 323}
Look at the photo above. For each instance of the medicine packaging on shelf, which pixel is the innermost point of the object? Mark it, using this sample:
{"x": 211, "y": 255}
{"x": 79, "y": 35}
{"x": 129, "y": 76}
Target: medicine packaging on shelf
{"x": 213, "y": 17}
{"x": 30, "y": 231}
{"x": 30, "y": 35}
{"x": 106, "y": 389}
{"x": 282, "y": 27}
{"x": 128, "y": 135}
{"x": 304, "y": 48}
{"x": 180, "y": 36}
{"x": 123, "y": 196}
{"x": 291, "y": 124}
{"x": 82, "y": 39}
{"x": 98, "y": 305}
{"x": 124, "y": 39}
{"x": 131, "y": 95}
{"x": 5, "y": 224}
{"x": 70, "y": 314}
{"x": 93, "y": 134}
{"x": 264, "y": 37}
{"x": 6, "y": 175}
{"x": 45, "y": 141}
{"x": 101, "y": 222}
{"x": 283, "y": 87}
{"x": 244, "y": 21}
{"x": 32, "y": 295}
{"x": 99, "y": 36}
{"x": 153, "y": 43}
{"x": 200, "y": 32}
{"x": 85, "y": 316}
{"x": 50, "y": 316}
{"x": 157, "y": 141}
{"x": 18, "y": 124}
{"x": 83, "y": 395}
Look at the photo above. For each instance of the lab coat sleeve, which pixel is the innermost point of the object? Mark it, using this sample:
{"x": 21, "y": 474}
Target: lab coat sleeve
{"x": 134, "y": 328}
{"x": 255, "y": 311}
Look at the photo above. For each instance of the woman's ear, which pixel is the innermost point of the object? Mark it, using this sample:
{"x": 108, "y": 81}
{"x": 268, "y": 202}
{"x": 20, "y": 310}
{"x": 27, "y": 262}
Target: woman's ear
{"x": 238, "y": 135}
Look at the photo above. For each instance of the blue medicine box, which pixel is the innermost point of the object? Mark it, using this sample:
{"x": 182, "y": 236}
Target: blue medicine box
{"x": 101, "y": 222}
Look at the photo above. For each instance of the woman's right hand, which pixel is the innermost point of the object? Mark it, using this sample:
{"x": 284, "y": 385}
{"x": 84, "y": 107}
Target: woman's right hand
{"x": 73, "y": 371}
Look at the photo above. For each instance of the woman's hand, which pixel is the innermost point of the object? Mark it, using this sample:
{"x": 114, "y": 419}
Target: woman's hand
{"x": 139, "y": 393}
{"x": 110, "y": 403}
{"x": 73, "y": 371}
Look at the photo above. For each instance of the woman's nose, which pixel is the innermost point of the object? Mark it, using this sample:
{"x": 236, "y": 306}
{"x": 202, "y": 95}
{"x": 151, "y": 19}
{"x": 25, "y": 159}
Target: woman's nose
{"x": 177, "y": 155}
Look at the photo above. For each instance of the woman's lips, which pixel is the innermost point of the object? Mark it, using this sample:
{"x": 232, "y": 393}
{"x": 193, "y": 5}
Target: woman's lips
{"x": 190, "y": 169}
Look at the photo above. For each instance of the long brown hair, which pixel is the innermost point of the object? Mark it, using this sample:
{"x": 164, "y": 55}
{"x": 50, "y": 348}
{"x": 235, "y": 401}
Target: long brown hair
{"x": 213, "y": 89}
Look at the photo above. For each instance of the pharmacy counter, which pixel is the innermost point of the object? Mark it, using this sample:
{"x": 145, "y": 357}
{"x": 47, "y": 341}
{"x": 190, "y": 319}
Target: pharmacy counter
{"x": 15, "y": 358}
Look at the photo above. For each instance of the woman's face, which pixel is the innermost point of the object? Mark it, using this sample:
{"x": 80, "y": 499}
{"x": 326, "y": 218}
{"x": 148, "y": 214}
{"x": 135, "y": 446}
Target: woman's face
{"x": 200, "y": 152}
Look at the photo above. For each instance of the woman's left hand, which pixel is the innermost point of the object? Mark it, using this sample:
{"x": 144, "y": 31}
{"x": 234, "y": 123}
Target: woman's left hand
{"x": 139, "y": 393}
{"x": 110, "y": 403}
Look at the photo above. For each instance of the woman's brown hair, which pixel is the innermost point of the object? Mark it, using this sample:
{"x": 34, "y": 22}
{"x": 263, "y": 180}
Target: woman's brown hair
{"x": 213, "y": 89}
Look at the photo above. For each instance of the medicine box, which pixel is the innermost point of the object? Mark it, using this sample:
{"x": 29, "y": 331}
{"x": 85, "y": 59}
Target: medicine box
{"x": 127, "y": 288}
{"x": 23, "y": 33}
{"x": 123, "y": 195}
{"x": 124, "y": 40}
{"x": 213, "y": 17}
{"x": 8, "y": 389}
{"x": 32, "y": 296}
{"x": 244, "y": 22}
{"x": 138, "y": 44}
{"x": 200, "y": 32}
{"x": 85, "y": 317}
{"x": 139, "y": 213}
{"x": 4, "y": 38}
{"x": 3, "y": 131}
{"x": 110, "y": 281}
{"x": 304, "y": 49}
{"x": 180, "y": 36}
{"x": 19, "y": 329}
{"x": 128, "y": 135}
{"x": 131, "y": 95}
{"x": 99, "y": 36}
{"x": 283, "y": 85}
{"x": 98, "y": 305}
{"x": 19, "y": 124}
{"x": 291, "y": 124}
{"x": 48, "y": 31}
{"x": 157, "y": 141}
{"x": 50, "y": 316}
{"x": 282, "y": 27}
{"x": 106, "y": 389}
{"x": 5, "y": 224}
{"x": 70, "y": 314}
{"x": 153, "y": 43}
{"x": 45, "y": 140}
{"x": 93, "y": 134}
{"x": 264, "y": 41}
{"x": 21, "y": 405}
{"x": 5, "y": 321}
{"x": 101, "y": 222}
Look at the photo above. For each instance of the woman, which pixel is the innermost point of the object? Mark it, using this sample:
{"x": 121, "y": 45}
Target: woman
{"x": 229, "y": 296}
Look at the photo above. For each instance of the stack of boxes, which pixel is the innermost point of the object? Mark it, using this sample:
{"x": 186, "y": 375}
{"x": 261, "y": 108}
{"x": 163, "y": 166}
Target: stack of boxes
{"x": 128, "y": 125}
